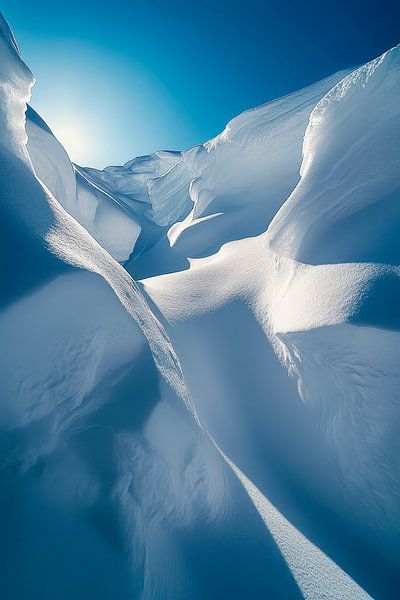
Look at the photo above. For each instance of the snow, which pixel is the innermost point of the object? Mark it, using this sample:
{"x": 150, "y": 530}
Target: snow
{"x": 226, "y": 427}
{"x": 315, "y": 574}
{"x": 115, "y": 229}
{"x": 346, "y": 201}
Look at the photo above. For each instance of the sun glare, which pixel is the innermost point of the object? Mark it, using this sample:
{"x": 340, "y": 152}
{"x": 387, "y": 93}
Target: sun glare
{"x": 73, "y": 138}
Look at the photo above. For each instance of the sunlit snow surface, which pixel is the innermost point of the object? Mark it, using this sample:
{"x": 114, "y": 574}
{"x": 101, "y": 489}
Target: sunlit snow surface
{"x": 227, "y": 427}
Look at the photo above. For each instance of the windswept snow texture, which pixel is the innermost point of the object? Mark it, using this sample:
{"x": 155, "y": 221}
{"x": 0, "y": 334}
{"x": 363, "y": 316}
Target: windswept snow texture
{"x": 227, "y": 427}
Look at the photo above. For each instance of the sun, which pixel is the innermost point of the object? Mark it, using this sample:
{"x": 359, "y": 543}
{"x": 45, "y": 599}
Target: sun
{"x": 72, "y": 136}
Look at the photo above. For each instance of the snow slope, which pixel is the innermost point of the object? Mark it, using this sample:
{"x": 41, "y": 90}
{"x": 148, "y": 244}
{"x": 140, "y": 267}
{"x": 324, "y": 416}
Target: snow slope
{"x": 346, "y": 202}
{"x": 227, "y": 427}
{"x": 107, "y": 221}
{"x": 333, "y": 326}
{"x": 87, "y": 374}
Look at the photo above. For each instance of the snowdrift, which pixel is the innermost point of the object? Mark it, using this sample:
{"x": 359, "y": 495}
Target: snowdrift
{"x": 109, "y": 222}
{"x": 226, "y": 427}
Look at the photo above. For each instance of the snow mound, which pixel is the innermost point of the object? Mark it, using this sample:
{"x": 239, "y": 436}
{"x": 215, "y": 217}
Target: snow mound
{"x": 159, "y": 180}
{"x": 345, "y": 207}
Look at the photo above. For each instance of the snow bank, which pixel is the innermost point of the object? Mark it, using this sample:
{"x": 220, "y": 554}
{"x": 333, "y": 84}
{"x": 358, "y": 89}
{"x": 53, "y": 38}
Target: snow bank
{"x": 16, "y": 81}
{"x": 326, "y": 435}
{"x": 83, "y": 365}
{"x": 345, "y": 206}
{"x": 160, "y": 180}
{"x": 205, "y": 185}
{"x": 115, "y": 229}
{"x": 246, "y": 173}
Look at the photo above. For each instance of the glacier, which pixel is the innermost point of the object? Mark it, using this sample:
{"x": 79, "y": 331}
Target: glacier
{"x": 199, "y": 373}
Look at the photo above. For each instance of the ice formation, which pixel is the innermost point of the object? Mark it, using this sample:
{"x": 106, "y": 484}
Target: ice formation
{"x": 227, "y": 425}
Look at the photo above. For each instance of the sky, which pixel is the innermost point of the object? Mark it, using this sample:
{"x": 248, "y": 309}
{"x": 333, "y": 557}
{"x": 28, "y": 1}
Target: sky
{"x": 123, "y": 78}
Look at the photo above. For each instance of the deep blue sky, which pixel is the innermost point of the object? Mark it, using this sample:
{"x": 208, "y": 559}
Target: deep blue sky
{"x": 126, "y": 77}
